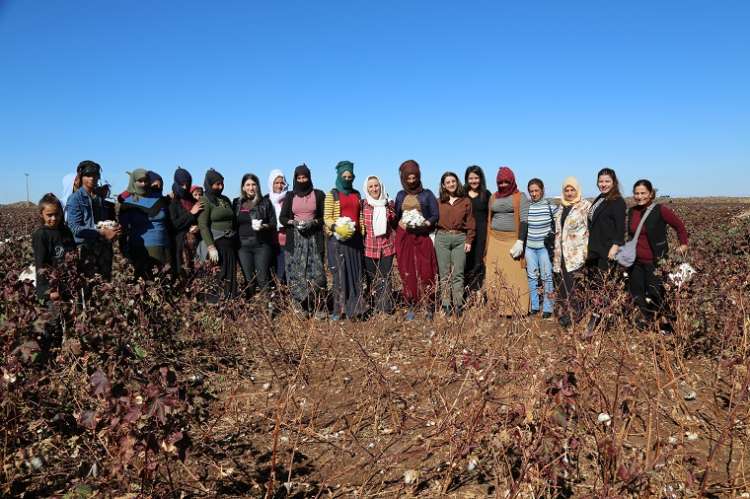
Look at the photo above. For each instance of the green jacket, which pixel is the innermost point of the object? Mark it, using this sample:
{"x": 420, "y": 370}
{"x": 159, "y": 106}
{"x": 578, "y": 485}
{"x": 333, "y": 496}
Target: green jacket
{"x": 215, "y": 217}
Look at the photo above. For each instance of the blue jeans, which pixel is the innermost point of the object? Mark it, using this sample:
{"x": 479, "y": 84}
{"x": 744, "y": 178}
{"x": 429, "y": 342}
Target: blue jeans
{"x": 538, "y": 265}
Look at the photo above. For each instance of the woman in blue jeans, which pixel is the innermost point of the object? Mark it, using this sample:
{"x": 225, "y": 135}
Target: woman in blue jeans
{"x": 538, "y": 263}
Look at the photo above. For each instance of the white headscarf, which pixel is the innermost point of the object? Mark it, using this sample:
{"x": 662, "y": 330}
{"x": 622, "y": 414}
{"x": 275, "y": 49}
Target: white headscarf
{"x": 379, "y": 210}
{"x": 277, "y": 197}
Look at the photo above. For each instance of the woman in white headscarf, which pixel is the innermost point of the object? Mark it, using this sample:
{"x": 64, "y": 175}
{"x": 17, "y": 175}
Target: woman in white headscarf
{"x": 380, "y": 246}
{"x": 277, "y": 189}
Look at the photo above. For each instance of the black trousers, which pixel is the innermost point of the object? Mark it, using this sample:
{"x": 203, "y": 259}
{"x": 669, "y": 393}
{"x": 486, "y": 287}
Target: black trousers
{"x": 646, "y": 288}
{"x": 569, "y": 303}
{"x": 255, "y": 262}
{"x": 380, "y": 290}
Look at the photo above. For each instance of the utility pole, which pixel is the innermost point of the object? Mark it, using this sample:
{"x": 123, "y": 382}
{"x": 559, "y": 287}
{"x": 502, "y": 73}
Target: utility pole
{"x": 28, "y": 199}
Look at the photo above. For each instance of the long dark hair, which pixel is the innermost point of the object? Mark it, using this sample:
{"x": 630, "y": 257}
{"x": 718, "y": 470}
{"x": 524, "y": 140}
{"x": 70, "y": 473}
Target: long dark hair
{"x": 50, "y": 199}
{"x": 483, "y": 193}
{"x": 254, "y": 178}
{"x": 444, "y": 195}
{"x": 647, "y": 184}
{"x": 613, "y": 193}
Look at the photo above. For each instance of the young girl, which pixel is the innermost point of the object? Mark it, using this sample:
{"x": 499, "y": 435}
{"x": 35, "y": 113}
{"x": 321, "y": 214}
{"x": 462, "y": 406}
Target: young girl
{"x": 50, "y": 243}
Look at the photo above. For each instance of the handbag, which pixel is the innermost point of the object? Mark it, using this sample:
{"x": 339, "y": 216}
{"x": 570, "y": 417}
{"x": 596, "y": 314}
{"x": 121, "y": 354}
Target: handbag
{"x": 549, "y": 239}
{"x": 626, "y": 254}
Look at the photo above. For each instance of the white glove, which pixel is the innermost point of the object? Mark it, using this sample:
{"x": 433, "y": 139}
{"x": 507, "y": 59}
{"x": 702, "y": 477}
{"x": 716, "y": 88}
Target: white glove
{"x": 213, "y": 254}
{"x": 517, "y": 249}
{"x": 257, "y": 223}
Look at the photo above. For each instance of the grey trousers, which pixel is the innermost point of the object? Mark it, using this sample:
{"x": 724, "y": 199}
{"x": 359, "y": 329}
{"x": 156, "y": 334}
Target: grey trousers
{"x": 451, "y": 259}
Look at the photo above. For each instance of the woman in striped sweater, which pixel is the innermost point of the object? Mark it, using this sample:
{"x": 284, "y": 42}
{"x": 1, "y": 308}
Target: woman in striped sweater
{"x": 345, "y": 247}
{"x": 538, "y": 264}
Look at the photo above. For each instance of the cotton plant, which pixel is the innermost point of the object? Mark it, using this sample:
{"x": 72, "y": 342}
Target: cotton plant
{"x": 344, "y": 228}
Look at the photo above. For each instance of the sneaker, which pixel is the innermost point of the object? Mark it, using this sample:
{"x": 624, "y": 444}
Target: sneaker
{"x": 321, "y": 315}
{"x": 547, "y": 316}
{"x": 410, "y": 315}
{"x": 565, "y": 321}
{"x": 534, "y": 312}
{"x": 335, "y": 317}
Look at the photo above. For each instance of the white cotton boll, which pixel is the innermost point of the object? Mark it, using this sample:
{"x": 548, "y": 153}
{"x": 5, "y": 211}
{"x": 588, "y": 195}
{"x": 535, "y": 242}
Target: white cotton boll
{"x": 691, "y": 436}
{"x": 28, "y": 275}
{"x": 604, "y": 418}
{"x": 411, "y": 476}
{"x": 684, "y": 273}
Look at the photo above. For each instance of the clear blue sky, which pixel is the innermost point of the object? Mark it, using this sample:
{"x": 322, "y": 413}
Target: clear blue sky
{"x": 657, "y": 89}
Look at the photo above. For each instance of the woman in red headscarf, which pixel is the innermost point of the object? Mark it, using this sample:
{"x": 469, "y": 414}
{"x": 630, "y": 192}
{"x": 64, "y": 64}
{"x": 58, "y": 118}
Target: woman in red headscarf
{"x": 417, "y": 214}
{"x": 507, "y": 225}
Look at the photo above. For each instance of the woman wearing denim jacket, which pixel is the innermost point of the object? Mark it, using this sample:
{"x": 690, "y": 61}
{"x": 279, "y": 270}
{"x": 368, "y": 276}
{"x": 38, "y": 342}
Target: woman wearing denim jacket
{"x": 84, "y": 209}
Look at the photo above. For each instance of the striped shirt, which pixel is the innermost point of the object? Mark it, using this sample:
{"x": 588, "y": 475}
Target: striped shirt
{"x": 541, "y": 222}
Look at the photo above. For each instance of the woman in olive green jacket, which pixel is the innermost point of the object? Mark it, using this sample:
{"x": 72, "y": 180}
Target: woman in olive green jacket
{"x": 216, "y": 224}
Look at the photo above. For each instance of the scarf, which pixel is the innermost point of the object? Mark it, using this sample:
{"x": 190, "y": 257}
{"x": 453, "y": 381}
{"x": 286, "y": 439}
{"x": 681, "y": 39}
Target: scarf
{"x": 154, "y": 191}
{"x": 505, "y": 174}
{"x": 302, "y": 190}
{"x": 407, "y": 168}
{"x": 342, "y": 185}
{"x": 379, "y": 210}
{"x": 277, "y": 197}
{"x": 212, "y": 176}
{"x": 183, "y": 177}
{"x": 133, "y": 188}
{"x": 572, "y": 182}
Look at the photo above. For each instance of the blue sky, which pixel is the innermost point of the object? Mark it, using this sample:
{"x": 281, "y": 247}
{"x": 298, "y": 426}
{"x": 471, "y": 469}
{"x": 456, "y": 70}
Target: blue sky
{"x": 653, "y": 89}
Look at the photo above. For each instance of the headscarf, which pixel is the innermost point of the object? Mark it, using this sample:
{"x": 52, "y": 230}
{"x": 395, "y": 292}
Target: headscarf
{"x": 277, "y": 197}
{"x": 505, "y": 174}
{"x": 195, "y": 188}
{"x": 212, "y": 176}
{"x": 183, "y": 177}
{"x": 153, "y": 177}
{"x": 302, "y": 189}
{"x": 342, "y": 185}
{"x": 407, "y": 168}
{"x": 133, "y": 188}
{"x": 379, "y": 210}
{"x": 573, "y": 182}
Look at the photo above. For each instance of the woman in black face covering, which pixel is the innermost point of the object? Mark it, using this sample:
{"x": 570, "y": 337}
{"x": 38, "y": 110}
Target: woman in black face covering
{"x": 302, "y": 214}
{"x": 216, "y": 223}
{"x": 183, "y": 212}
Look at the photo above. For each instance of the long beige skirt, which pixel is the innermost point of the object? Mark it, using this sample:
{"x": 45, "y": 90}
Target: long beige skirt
{"x": 506, "y": 282}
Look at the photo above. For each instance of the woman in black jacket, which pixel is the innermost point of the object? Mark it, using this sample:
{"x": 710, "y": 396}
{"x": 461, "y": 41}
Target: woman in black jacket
{"x": 606, "y": 224}
{"x": 302, "y": 215}
{"x": 606, "y": 235}
{"x": 256, "y": 219}
{"x": 476, "y": 188}
{"x": 183, "y": 212}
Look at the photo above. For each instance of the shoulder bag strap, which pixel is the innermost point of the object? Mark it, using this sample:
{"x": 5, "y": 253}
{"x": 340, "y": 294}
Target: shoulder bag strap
{"x": 643, "y": 219}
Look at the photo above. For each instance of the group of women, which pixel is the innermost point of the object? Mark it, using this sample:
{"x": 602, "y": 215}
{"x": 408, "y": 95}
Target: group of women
{"x": 466, "y": 243}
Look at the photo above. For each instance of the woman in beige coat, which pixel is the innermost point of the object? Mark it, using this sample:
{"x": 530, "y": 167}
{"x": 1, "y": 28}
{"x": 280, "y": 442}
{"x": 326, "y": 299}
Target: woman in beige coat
{"x": 571, "y": 248}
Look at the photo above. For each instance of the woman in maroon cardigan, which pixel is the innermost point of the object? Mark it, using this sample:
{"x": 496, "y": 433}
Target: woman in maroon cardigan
{"x": 646, "y": 286}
